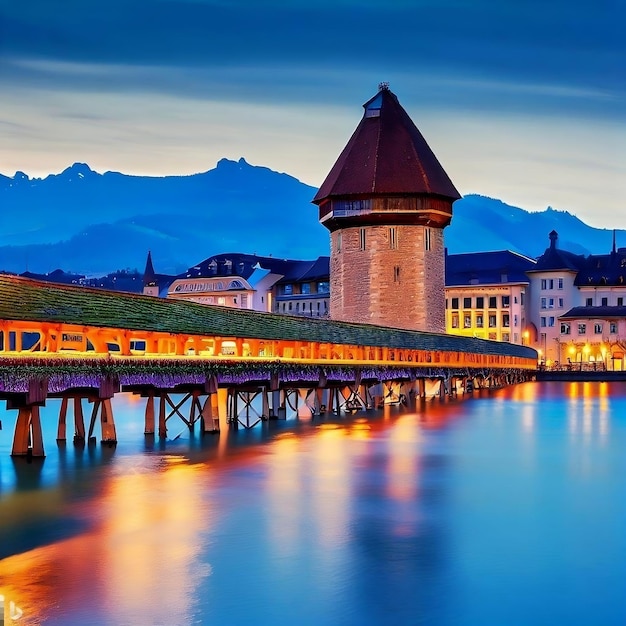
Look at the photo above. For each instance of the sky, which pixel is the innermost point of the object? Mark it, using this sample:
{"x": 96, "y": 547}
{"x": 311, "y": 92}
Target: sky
{"x": 522, "y": 100}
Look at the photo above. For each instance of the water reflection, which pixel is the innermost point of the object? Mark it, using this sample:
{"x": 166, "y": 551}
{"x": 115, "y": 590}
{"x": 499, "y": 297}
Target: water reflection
{"x": 478, "y": 511}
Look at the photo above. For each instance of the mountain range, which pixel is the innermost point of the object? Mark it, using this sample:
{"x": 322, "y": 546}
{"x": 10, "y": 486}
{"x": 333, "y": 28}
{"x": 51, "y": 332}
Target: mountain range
{"x": 91, "y": 223}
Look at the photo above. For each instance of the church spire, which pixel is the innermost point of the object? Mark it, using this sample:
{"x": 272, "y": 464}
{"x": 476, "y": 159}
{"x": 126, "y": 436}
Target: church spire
{"x": 150, "y": 280}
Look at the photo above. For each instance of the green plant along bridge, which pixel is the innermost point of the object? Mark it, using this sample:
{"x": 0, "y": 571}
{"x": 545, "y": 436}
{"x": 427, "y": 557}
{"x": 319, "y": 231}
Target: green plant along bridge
{"x": 214, "y": 365}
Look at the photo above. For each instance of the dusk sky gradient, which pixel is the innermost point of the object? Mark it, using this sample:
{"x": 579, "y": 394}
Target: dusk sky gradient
{"x": 523, "y": 101}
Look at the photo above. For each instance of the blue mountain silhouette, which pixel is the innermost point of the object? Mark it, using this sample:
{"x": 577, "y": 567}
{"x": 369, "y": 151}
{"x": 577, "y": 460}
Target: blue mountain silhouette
{"x": 93, "y": 223}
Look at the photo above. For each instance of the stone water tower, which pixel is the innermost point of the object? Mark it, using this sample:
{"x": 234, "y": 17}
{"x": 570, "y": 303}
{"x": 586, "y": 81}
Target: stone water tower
{"x": 386, "y": 202}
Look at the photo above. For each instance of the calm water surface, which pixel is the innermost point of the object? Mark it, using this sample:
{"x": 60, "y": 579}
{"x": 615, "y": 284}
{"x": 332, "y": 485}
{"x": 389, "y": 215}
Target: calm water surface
{"x": 503, "y": 509}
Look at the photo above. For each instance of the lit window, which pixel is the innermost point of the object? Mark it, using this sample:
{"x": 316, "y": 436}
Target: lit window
{"x": 479, "y": 321}
{"x": 467, "y": 321}
{"x": 362, "y": 238}
{"x": 427, "y": 242}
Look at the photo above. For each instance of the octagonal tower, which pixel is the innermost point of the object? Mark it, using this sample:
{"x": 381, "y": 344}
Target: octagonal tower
{"x": 386, "y": 202}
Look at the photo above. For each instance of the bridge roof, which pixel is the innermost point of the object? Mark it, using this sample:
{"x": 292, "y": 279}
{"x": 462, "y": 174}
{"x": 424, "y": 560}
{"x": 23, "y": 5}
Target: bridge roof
{"x": 22, "y": 299}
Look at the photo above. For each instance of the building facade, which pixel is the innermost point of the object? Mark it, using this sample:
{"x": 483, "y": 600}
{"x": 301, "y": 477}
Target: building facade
{"x": 578, "y": 308}
{"x": 248, "y": 281}
{"x": 487, "y": 296}
{"x": 386, "y": 202}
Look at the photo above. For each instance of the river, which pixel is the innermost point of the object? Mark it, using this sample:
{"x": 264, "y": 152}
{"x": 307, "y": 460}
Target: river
{"x": 506, "y": 508}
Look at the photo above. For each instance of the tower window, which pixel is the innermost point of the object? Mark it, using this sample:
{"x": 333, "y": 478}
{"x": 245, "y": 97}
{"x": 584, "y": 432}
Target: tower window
{"x": 396, "y": 274}
{"x": 362, "y": 238}
{"x": 427, "y": 242}
{"x": 393, "y": 238}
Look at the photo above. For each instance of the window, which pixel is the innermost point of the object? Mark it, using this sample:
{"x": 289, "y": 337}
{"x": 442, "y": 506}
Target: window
{"x": 582, "y": 329}
{"x": 492, "y": 321}
{"x": 455, "y": 303}
{"x": 396, "y": 274}
{"x": 551, "y": 322}
{"x": 393, "y": 238}
{"x": 589, "y": 302}
{"x": 493, "y": 302}
{"x": 515, "y": 320}
{"x": 455, "y": 320}
{"x": 620, "y": 302}
{"x": 427, "y": 239}
{"x": 362, "y": 238}
{"x": 613, "y": 328}
{"x": 560, "y": 303}
{"x": 597, "y": 329}
{"x": 287, "y": 290}
{"x": 479, "y": 320}
{"x": 467, "y": 321}
{"x": 480, "y": 302}
{"x": 544, "y": 282}
{"x": 323, "y": 287}
{"x": 605, "y": 302}
{"x": 547, "y": 283}
{"x": 542, "y": 322}
{"x": 221, "y": 300}
{"x": 506, "y": 337}
{"x": 521, "y": 298}
{"x": 565, "y": 328}
{"x": 506, "y": 302}
{"x": 305, "y": 288}
{"x": 544, "y": 303}
{"x": 467, "y": 303}
{"x": 506, "y": 320}
{"x": 559, "y": 283}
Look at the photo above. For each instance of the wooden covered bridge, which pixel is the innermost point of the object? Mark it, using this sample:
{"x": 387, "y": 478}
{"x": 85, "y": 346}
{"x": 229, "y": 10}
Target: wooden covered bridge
{"x": 79, "y": 343}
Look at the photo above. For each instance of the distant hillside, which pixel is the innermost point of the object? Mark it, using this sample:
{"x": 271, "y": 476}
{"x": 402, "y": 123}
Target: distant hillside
{"x": 92, "y": 223}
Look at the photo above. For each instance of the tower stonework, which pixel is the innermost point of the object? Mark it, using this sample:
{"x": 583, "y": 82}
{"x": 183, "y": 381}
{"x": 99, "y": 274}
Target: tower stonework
{"x": 386, "y": 202}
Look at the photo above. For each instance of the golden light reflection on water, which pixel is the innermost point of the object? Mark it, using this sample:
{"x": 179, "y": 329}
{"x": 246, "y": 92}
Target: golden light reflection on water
{"x": 143, "y": 521}
{"x": 403, "y": 470}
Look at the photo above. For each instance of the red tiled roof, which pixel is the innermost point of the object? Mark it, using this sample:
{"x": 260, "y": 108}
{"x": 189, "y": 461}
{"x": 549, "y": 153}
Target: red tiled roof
{"x": 387, "y": 154}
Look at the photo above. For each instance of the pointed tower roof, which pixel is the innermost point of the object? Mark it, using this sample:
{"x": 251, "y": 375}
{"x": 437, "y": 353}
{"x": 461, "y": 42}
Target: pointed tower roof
{"x": 149, "y": 276}
{"x": 386, "y": 155}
